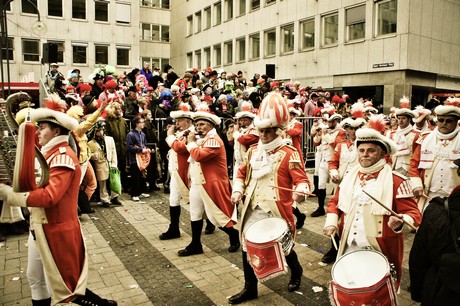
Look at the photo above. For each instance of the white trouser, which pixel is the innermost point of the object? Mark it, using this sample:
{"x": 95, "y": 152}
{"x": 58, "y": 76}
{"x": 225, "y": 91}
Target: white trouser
{"x": 35, "y": 272}
{"x": 323, "y": 174}
{"x": 104, "y": 192}
{"x": 174, "y": 192}
{"x": 197, "y": 206}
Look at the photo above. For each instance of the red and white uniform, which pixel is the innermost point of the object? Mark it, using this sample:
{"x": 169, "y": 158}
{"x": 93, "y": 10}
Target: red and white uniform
{"x": 178, "y": 167}
{"x": 54, "y": 222}
{"x": 242, "y": 140}
{"x": 364, "y": 223}
{"x": 210, "y": 186}
{"x": 262, "y": 169}
{"x": 344, "y": 158}
{"x": 406, "y": 140}
{"x": 294, "y": 132}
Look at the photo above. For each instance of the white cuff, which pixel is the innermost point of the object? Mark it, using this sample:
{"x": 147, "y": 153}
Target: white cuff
{"x": 238, "y": 186}
{"x": 191, "y": 145}
{"x": 17, "y": 199}
{"x": 415, "y": 182}
{"x": 331, "y": 220}
{"x": 170, "y": 140}
{"x": 303, "y": 187}
{"x": 334, "y": 172}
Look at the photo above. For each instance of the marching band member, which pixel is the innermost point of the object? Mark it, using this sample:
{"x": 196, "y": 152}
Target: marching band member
{"x": 325, "y": 138}
{"x": 210, "y": 185}
{"x": 422, "y": 122}
{"x": 271, "y": 162}
{"x": 57, "y": 260}
{"x": 244, "y": 137}
{"x": 405, "y": 137}
{"x": 178, "y": 167}
{"x": 432, "y": 171}
{"x": 364, "y": 223}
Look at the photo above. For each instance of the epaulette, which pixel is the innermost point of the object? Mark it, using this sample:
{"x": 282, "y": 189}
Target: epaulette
{"x": 294, "y": 160}
{"x": 422, "y": 136}
{"x": 62, "y": 160}
{"x": 404, "y": 190}
{"x": 211, "y": 143}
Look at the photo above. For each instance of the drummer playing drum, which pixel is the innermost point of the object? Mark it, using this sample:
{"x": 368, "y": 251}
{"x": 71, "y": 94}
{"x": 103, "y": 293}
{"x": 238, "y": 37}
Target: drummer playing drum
{"x": 271, "y": 163}
{"x": 365, "y": 224}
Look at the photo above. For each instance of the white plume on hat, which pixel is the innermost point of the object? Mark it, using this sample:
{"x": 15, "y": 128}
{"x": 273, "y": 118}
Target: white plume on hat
{"x": 273, "y": 112}
{"x": 422, "y": 113}
{"x": 329, "y": 113}
{"x": 202, "y": 113}
{"x": 374, "y": 133}
{"x": 405, "y": 110}
{"x": 183, "y": 112}
{"x": 369, "y": 107}
{"x": 451, "y": 107}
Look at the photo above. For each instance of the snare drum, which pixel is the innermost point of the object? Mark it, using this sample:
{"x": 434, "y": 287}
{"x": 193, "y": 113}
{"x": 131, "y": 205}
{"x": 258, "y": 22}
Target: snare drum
{"x": 362, "y": 277}
{"x": 267, "y": 241}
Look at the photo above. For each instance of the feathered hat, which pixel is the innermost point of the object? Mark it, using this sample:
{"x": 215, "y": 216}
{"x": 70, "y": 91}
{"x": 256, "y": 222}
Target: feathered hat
{"x": 392, "y": 112}
{"x": 369, "y": 107}
{"x": 374, "y": 133}
{"x": 183, "y": 112}
{"x": 404, "y": 102}
{"x": 56, "y": 117}
{"x": 202, "y": 113}
{"x": 246, "y": 111}
{"x": 273, "y": 112}
{"x": 451, "y": 107}
{"x": 329, "y": 113}
{"x": 54, "y": 102}
{"x": 422, "y": 113}
{"x": 292, "y": 109}
{"x": 357, "y": 110}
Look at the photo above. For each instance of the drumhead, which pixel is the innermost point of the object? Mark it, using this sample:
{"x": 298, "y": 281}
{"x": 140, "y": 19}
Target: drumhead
{"x": 361, "y": 268}
{"x": 265, "y": 230}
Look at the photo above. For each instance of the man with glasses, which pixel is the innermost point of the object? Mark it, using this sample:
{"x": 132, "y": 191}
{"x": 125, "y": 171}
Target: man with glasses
{"x": 137, "y": 143}
{"x": 432, "y": 169}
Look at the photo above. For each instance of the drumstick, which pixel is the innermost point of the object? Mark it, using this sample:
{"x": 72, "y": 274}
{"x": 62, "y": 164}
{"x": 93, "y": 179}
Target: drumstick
{"x": 390, "y": 211}
{"x": 426, "y": 197}
{"x": 334, "y": 243}
{"x": 288, "y": 189}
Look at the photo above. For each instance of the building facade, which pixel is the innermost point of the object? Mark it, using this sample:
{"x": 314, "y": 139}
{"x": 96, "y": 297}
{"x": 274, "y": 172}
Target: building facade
{"x": 381, "y": 49}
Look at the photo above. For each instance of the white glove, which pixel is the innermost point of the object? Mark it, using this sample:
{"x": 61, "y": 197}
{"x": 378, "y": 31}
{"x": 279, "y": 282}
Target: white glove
{"x": 4, "y": 191}
{"x": 13, "y": 198}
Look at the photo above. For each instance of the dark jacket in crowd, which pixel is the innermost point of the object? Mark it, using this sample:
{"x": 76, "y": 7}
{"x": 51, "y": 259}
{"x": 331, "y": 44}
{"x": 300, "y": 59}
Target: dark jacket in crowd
{"x": 433, "y": 239}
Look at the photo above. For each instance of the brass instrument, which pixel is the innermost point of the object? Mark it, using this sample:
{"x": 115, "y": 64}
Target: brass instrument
{"x": 8, "y": 142}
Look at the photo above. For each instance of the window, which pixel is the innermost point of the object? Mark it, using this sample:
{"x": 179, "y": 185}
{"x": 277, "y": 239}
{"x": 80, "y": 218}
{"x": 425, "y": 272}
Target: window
{"x": 241, "y": 49}
{"x": 218, "y": 13}
{"x": 101, "y": 11}
{"x": 165, "y": 4}
{"x": 268, "y": 2}
{"x": 123, "y": 13}
{"x": 255, "y": 4}
{"x": 189, "y": 59}
{"x": 154, "y": 32}
{"x": 197, "y": 22}
{"x": 228, "y": 9}
{"x": 79, "y": 9}
{"x": 189, "y": 25}
{"x": 31, "y": 50}
{"x": 154, "y": 62}
{"x": 287, "y": 37}
{"x": 356, "y": 22}
{"x": 217, "y": 55}
{"x": 155, "y": 3}
{"x": 10, "y": 51}
{"x": 207, "y": 57}
{"x": 79, "y": 53}
{"x": 55, "y": 8}
{"x": 207, "y": 18}
{"x": 254, "y": 44}
{"x": 270, "y": 42}
{"x": 241, "y": 7}
{"x": 197, "y": 59}
{"x": 60, "y": 52}
{"x": 164, "y": 33}
{"x": 307, "y": 38}
{"x": 102, "y": 54}
{"x": 123, "y": 55}
{"x": 330, "y": 29}
{"x": 387, "y": 13}
{"x": 27, "y": 7}
{"x": 228, "y": 52}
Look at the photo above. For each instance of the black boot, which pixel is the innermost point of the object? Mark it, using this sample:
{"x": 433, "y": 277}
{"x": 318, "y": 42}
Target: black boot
{"x": 300, "y": 218}
{"x": 249, "y": 291}
{"x": 91, "y": 298}
{"x": 331, "y": 255}
{"x": 83, "y": 203}
{"x": 210, "y": 228}
{"x": 234, "y": 238}
{"x": 321, "y": 194}
{"x": 195, "y": 246}
{"x": 44, "y": 302}
{"x": 173, "y": 230}
{"x": 296, "y": 271}
{"x": 315, "y": 184}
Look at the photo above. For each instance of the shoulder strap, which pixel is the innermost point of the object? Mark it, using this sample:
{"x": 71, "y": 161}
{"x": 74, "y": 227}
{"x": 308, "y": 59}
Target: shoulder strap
{"x": 454, "y": 234}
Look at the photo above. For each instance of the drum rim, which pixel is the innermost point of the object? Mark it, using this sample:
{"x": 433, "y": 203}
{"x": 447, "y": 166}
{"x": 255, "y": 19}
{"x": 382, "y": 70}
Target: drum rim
{"x": 264, "y": 219}
{"x": 356, "y": 251}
